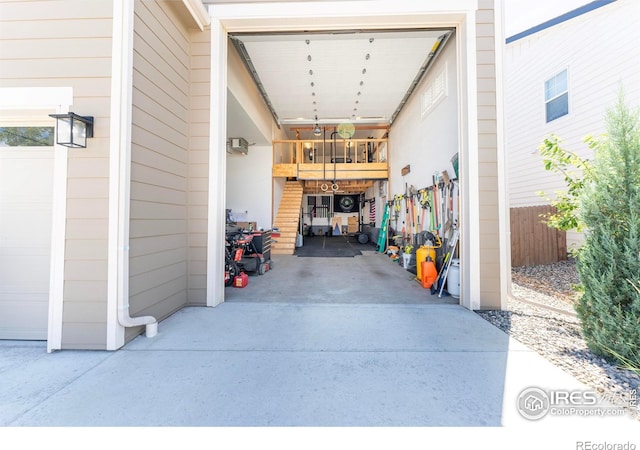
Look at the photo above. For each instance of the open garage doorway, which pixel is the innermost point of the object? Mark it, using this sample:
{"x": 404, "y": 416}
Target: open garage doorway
{"x": 233, "y": 18}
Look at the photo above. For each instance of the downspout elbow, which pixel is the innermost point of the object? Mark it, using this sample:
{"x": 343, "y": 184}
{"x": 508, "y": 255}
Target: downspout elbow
{"x": 150, "y": 323}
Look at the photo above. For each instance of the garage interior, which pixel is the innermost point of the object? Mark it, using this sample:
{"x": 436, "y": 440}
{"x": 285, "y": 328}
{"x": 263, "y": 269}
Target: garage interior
{"x": 335, "y": 96}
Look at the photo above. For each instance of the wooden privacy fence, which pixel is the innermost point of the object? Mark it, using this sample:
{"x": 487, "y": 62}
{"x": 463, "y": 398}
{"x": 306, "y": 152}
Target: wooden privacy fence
{"x": 533, "y": 241}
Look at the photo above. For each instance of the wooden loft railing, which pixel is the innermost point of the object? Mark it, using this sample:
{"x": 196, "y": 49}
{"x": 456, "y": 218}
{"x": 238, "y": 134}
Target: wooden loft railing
{"x": 345, "y": 159}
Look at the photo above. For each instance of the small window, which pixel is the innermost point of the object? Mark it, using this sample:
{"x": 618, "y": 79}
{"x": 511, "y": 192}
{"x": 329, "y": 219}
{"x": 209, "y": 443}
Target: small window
{"x": 556, "y": 96}
{"x": 26, "y": 136}
{"x": 435, "y": 92}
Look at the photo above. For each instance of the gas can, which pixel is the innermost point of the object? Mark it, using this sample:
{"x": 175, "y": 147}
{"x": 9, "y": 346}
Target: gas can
{"x": 421, "y": 255}
{"x": 241, "y": 280}
{"x": 429, "y": 273}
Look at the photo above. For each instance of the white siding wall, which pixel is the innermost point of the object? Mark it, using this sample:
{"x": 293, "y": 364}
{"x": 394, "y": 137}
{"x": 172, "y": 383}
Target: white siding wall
{"x": 68, "y": 43}
{"x": 159, "y": 163}
{"x": 600, "y": 51}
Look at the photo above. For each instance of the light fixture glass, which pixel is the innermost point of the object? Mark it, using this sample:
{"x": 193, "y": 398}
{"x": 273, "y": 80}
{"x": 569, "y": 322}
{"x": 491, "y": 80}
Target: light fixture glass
{"x": 317, "y": 131}
{"x": 73, "y": 130}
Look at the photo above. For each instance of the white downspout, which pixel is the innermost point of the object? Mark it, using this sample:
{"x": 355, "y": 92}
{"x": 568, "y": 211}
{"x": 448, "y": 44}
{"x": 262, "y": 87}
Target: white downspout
{"x": 120, "y": 179}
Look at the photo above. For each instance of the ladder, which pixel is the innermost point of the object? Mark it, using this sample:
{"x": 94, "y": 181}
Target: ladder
{"x": 447, "y": 261}
{"x": 382, "y": 237}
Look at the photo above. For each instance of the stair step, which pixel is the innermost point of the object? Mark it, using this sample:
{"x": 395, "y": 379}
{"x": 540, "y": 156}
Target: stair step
{"x": 285, "y": 251}
{"x": 287, "y": 219}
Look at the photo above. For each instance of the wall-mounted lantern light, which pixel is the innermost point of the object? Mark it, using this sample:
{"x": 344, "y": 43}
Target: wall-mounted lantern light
{"x": 73, "y": 130}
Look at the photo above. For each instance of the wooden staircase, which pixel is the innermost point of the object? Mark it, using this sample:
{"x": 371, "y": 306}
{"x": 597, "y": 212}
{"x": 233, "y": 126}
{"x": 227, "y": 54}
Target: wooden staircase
{"x": 288, "y": 219}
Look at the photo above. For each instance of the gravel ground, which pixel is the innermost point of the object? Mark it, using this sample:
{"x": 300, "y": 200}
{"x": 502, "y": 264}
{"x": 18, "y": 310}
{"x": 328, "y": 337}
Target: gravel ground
{"x": 554, "y": 331}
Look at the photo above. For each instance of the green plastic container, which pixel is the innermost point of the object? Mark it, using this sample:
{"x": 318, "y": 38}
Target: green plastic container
{"x": 454, "y": 161}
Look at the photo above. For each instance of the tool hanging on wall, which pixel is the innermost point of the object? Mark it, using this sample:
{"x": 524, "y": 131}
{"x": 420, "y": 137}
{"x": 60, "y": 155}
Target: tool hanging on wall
{"x": 449, "y": 222}
{"x": 436, "y": 207}
{"x": 397, "y": 205}
{"x": 384, "y": 227}
{"x": 423, "y": 209}
{"x": 414, "y": 213}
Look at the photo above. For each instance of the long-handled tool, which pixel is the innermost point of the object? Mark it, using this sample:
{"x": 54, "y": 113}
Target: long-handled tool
{"x": 444, "y": 270}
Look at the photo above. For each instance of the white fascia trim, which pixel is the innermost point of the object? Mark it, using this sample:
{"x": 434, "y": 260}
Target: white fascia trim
{"x": 217, "y": 165}
{"x": 504, "y": 222}
{"x": 317, "y": 9}
{"x": 199, "y": 13}
{"x": 58, "y": 100}
{"x": 322, "y": 15}
{"x": 54, "y": 98}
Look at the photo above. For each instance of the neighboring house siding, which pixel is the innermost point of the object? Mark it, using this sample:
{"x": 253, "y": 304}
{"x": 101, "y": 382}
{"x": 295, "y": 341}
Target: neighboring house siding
{"x": 489, "y": 227}
{"x": 68, "y": 43}
{"x": 596, "y": 67}
{"x": 198, "y": 165}
{"x": 159, "y": 163}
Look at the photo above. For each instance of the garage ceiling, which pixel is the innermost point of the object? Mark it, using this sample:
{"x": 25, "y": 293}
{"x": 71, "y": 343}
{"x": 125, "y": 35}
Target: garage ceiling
{"x": 331, "y": 77}
{"x": 357, "y": 76}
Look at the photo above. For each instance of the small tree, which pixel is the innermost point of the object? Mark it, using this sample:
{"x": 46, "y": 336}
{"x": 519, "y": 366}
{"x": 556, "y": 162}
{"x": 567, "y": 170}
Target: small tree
{"x": 576, "y": 172}
{"x": 608, "y": 262}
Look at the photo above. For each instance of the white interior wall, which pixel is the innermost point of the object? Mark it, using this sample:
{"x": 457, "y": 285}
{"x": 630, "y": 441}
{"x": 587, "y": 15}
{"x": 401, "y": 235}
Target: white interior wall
{"x": 249, "y": 184}
{"x": 426, "y": 143}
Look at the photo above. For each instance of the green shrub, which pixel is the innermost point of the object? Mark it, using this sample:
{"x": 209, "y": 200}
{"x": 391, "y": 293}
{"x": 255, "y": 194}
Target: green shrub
{"x": 609, "y": 260}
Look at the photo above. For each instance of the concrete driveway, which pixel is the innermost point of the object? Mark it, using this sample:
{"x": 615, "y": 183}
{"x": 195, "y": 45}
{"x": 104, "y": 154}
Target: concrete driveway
{"x": 295, "y": 363}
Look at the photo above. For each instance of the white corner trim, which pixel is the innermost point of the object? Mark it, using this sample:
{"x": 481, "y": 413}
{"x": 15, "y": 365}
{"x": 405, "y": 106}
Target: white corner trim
{"x": 469, "y": 175}
{"x": 58, "y": 241}
{"x": 504, "y": 221}
{"x": 199, "y": 13}
{"x": 217, "y": 165}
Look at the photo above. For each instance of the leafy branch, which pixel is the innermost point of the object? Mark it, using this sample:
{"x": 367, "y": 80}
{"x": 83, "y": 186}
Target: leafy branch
{"x": 576, "y": 173}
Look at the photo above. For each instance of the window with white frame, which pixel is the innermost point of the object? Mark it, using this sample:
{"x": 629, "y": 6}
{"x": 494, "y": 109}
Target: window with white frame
{"x": 556, "y": 96}
{"x": 434, "y": 92}
{"x": 26, "y": 136}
